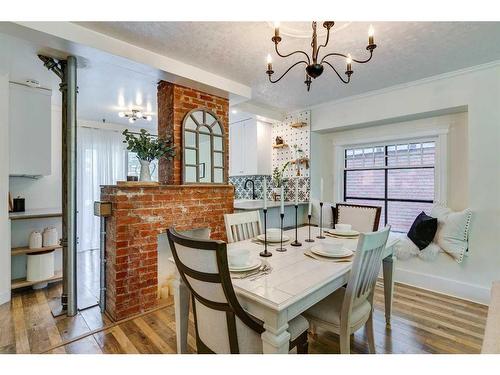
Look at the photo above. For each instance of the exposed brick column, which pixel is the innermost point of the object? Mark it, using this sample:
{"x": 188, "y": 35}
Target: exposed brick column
{"x": 174, "y": 102}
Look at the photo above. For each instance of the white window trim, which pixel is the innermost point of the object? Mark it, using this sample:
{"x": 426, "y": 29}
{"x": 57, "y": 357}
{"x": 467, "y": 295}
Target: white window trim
{"x": 438, "y": 135}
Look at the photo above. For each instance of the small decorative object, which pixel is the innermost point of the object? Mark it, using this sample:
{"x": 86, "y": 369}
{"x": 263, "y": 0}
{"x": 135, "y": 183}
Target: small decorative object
{"x": 282, "y": 216}
{"x": 278, "y": 180}
{"x": 132, "y": 178}
{"x": 299, "y": 156}
{"x": 18, "y": 205}
{"x": 50, "y": 237}
{"x": 35, "y": 241}
{"x": 265, "y": 253}
{"x": 40, "y": 267}
{"x": 314, "y": 64}
{"x": 296, "y": 242}
{"x": 148, "y": 148}
{"x": 279, "y": 140}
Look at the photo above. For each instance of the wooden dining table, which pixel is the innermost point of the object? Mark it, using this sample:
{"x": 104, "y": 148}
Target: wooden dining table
{"x": 295, "y": 283}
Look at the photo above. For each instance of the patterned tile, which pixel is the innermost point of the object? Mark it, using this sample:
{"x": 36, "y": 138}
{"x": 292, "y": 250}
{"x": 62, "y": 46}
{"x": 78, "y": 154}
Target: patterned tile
{"x": 241, "y": 193}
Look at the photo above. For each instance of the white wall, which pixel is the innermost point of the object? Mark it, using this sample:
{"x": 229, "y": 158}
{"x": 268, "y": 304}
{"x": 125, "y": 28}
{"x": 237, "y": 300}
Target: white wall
{"x": 478, "y": 92}
{"x": 4, "y": 191}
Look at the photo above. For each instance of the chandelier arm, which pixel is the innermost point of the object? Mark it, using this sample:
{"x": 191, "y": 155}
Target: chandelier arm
{"x": 326, "y": 42}
{"x": 345, "y": 56}
{"x": 290, "y": 68}
{"x": 338, "y": 75}
{"x": 292, "y": 53}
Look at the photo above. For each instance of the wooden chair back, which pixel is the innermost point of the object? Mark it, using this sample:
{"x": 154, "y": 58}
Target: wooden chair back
{"x": 364, "y": 272}
{"x": 362, "y": 218}
{"x": 242, "y": 225}
{"x": 222, "y": 325}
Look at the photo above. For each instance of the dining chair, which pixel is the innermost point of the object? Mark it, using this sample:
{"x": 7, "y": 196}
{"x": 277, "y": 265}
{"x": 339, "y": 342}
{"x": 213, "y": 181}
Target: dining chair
{"x": 221, "y": 323}
{"x": 350, "y": 308}
{"x": 362, "y": 218}
{"x": 242, "y": 225}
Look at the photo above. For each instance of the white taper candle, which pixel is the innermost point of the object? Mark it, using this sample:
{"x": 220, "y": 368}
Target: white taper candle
{"x": 265, "y": 193}
{"x": 321, "y": 190}
{"x": 282, "y": 200}
{"x": 310, "y": 209}
{"x": 296, "y": 191}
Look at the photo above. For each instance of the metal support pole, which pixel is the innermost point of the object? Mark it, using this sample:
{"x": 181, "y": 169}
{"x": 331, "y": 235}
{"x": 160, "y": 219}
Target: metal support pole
{"x": 70, "y": 240}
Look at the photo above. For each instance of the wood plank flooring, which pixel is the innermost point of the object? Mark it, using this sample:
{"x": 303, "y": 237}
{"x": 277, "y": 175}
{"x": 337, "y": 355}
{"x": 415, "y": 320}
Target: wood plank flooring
{"x": 422, "y": 322}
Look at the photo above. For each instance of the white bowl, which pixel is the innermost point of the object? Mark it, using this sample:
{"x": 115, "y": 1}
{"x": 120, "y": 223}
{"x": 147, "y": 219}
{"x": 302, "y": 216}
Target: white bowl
{"x": 273, "y": 233}
{"x": 333, "y": 248}
{"x": 343, "y": 227}
{"x": 238, "y": 257}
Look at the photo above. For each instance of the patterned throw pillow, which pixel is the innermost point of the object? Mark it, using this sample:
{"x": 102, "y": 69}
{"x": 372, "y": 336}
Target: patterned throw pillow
{"x": 452, "y": 234}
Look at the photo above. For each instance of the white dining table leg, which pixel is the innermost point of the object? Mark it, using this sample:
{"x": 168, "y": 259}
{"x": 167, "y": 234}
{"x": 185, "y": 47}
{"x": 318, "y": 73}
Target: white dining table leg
{"x": 275, "y": 339}
{"x": 388, "y": 265}
{"x": 181, "y": 301}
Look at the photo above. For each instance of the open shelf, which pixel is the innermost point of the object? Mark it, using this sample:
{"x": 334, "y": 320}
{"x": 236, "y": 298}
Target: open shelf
{"x": 283, "y": 145}
{"x": 21, "y": 283}
{"x": 299, "y": 124}
{"x": 35, "y": 214}
{"x": 27, "y": 250}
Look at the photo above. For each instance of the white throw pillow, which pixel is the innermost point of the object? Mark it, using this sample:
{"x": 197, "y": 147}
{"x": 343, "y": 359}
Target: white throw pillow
{"x": 453, "y": 230}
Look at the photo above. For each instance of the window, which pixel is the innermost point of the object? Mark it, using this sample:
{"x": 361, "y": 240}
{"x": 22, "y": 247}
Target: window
{"x": 399, "y": 177}
{"x": 203, "y": 147}
{"x": 134, "y": 167}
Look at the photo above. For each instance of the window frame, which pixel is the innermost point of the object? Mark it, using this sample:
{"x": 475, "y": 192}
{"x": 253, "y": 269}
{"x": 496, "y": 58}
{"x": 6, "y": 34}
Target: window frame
{"x": 385, "y": 145}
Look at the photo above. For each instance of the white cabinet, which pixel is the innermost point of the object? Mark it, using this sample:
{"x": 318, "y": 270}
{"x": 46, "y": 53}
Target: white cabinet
{"x": 250, "y": 148}
{"x": 29, "y": 131}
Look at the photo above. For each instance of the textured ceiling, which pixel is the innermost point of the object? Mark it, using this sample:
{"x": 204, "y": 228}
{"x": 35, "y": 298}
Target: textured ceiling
{"x": 406, "y": 51}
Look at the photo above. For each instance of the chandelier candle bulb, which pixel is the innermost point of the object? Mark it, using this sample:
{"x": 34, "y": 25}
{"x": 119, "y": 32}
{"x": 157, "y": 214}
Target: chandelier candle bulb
{"x": 349, "y": 62}
{"x": 276, "y": 29}
{"x": 371, "y": 32}
{"x": 269, "y": 62}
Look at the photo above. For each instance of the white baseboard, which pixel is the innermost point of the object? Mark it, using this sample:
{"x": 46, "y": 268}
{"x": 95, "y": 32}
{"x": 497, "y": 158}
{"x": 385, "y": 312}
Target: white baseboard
{"x": 454, "y": 288}
{"x": 4, "y": 297}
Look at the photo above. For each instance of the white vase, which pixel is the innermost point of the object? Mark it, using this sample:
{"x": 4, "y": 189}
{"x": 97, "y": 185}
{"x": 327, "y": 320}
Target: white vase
{"x": 145, "y": 171}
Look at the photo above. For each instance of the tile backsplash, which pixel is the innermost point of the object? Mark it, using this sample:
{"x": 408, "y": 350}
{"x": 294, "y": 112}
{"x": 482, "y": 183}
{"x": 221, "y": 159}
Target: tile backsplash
{"x": 241, "y": 193}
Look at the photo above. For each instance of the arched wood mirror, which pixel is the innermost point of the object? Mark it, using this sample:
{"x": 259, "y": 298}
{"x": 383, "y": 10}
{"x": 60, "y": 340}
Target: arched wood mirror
{"x": 203, "y": 148}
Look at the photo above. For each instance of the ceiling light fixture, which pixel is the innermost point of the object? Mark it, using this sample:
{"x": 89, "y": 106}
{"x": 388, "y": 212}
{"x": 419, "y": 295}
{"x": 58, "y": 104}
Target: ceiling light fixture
{"x": 314, "y": 67}
{"x": 134, "y": 115}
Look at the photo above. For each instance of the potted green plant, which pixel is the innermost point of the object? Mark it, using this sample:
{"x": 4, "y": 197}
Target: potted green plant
{"x": 148, "y": 148}
{"x": 278, "y": 178}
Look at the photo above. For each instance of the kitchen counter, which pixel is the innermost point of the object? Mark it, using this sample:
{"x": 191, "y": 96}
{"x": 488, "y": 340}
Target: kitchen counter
{"x": 273, "y": 211}
{"x": 258, "y": 204}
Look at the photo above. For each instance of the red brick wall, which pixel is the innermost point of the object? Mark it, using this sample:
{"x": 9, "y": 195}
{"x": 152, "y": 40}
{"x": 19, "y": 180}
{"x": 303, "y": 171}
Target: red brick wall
{"x": 174, "y": 102}
{"x": 140, "y": 214}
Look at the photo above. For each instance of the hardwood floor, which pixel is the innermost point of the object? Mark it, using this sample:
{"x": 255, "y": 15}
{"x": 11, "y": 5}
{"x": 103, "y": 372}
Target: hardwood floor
{"x": 422, "y": 322}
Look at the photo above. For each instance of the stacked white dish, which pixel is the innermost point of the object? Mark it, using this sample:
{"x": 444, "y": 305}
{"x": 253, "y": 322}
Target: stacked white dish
{"x": 240, "y": 260}
{"x": 331, "y": 250}
{"x": 273, "y": 235}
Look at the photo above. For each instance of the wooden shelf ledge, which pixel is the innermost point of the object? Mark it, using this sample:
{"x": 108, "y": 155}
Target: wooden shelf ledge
{"x": 299, "y": 124}
{"x": 21, "y": 283}
{"x": 27, "y": 250}
{"x": 283, "y": 145}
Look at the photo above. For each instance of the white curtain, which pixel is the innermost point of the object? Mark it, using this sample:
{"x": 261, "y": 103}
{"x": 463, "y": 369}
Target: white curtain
{"x": 101, "y": 160}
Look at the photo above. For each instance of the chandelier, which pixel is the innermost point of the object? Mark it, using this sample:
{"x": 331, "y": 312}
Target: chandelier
{"x": 314, "y": 66}
{"x": 134, "y": 115}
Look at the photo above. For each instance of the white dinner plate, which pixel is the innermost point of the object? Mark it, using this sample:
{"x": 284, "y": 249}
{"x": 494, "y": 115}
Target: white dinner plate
{"x": 319, "y": 251}
{"x": 253, "y": 263}
{"x": 344, "y": 233}
{"x": 260, "y": 237}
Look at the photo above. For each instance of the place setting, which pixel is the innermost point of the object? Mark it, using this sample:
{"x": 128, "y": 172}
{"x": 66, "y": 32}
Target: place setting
{"x": 343, "y": 231}
{"x": 244, "y": 265}
{"x": 330, "y": 252}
